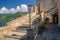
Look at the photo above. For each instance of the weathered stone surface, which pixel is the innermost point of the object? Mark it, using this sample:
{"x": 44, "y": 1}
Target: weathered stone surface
{"x": 58, "y": 6}
{"x": 24, "y": 20}
{"x": 51, "y": 33}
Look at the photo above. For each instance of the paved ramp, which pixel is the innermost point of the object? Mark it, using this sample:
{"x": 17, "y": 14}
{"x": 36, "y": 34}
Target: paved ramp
{"x": 12, "y": 25}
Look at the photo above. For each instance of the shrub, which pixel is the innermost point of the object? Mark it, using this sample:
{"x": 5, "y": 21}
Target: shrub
{"x": 43, "y": 25}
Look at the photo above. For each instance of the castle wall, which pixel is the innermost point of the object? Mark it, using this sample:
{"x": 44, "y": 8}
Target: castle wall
{"x": 46, "y": 5}
{"x": 58, "y": 6}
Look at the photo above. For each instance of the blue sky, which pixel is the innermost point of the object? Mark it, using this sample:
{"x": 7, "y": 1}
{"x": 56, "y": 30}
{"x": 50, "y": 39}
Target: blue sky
{"x": 14, "y": 3}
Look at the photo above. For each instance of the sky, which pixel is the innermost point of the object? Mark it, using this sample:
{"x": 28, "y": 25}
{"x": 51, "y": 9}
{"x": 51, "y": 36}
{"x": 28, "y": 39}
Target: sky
{"x": 14, "y": 3}
{"x": 12, "y": 6}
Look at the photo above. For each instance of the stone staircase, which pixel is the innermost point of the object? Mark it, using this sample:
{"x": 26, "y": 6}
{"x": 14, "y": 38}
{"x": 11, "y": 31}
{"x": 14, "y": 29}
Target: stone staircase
{"x": 12, "y": 25}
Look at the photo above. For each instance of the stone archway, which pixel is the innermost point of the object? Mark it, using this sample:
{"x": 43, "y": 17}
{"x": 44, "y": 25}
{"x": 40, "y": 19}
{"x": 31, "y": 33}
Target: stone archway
{"x": 47, "y": 20}
{"x": 47, "y": 5}
{"x": 55, "y": 18}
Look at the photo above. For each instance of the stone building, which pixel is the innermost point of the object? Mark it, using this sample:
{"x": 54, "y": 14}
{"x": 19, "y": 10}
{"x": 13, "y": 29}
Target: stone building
{"x": 49, "y": 10}
{"x": 58, "y": 6}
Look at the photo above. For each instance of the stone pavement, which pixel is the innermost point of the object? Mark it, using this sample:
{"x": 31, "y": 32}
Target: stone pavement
{"x": 52, "y": 32}
{"x": 18, "y": 34}
{"x": 12, "y": 25}
{"x": 6, "y": 38}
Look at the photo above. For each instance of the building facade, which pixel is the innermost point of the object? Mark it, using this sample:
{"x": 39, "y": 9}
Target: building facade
{"x": 49, "y": 10}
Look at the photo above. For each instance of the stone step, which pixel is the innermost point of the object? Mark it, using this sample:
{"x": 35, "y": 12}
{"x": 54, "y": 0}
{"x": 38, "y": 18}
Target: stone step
{"x": 16, "y": 35}
{"x": 25, "y": 27}
{"x": 21, "y": 31}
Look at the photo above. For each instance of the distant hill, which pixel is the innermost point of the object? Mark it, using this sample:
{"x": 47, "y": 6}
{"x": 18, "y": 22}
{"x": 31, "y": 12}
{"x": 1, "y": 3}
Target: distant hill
{"x": 8, "y": 17}
{"x": 2, "y": 15}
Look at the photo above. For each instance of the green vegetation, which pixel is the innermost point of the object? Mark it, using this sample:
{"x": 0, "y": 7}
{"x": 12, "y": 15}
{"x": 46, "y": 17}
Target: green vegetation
{"x": 43, "y": 25}
{"x": 9, "y": 17}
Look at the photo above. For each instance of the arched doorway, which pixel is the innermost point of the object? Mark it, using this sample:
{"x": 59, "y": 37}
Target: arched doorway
{"x": 55, "y": 18}
{"x": 47, "y": 20}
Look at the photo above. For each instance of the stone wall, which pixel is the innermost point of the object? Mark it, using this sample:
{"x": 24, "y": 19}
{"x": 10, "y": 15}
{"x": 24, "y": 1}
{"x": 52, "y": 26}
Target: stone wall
{"x": 46, "y": 5}
{"x": 58, "y": 6}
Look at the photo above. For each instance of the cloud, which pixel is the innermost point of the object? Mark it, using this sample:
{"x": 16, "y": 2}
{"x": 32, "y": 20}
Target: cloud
{"x": 12, "y": 10}
{"x": 18, "y": 8}
{"x": 22, "y": 8}
{"x": 4, "y": 10}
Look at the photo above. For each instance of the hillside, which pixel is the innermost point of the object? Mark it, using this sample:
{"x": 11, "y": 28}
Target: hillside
{"x": 9, "y": 17}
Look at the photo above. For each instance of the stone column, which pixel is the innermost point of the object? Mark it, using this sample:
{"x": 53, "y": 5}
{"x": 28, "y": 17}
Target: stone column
{"x": 43, "y": 16}
{"x": 36, "y": 9}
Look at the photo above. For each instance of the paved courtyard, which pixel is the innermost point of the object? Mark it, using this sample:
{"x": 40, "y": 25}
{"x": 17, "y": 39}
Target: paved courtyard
{"x": 52, "y": 32}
